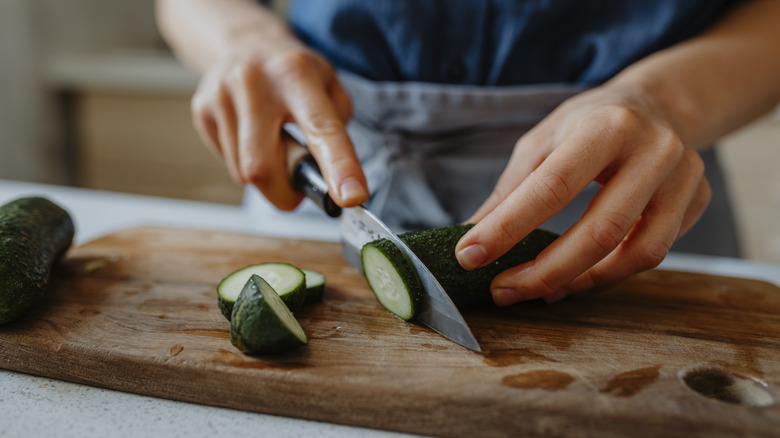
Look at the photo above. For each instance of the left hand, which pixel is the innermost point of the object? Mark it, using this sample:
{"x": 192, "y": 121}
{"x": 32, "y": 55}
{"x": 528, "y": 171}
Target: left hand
{"x": 653, "y": 191}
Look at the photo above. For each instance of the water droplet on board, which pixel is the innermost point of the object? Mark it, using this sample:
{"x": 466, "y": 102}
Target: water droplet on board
{"x": 549, "y": 380}
{"x": 631, "y": 382}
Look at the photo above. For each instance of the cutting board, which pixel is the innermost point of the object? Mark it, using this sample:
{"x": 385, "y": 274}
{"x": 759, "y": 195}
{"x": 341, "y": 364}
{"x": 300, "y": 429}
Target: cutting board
{"x": 665, "y": 353}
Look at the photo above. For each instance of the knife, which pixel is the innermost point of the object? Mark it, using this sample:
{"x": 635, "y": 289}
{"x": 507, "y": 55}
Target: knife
{"x": 359, "y": 226}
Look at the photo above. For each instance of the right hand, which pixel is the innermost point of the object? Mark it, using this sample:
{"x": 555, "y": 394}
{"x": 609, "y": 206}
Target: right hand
{"x": 242, "y": 102}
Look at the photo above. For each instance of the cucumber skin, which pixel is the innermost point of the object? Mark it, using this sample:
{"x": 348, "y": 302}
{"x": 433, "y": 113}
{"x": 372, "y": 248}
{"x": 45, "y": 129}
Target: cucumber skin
{"x": 225, "y": 307}
{"x": 314, "y": 294}
{"x": 250, "y": 330}
{"x": 293, "y": 300}
{"x": 436, "y": 249}
{"x": 34, "y": 234}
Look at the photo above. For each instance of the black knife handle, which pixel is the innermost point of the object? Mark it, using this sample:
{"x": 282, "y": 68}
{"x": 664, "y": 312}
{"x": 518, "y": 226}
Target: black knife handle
{"x": 305, "y": 176}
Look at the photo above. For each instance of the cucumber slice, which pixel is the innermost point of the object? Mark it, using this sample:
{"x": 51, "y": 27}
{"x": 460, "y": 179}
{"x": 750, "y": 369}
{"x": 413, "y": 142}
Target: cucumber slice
{"x": 397, "y": 286}
{"x": 392, "y": 277}
{"x": 286, "y": 279}
{"x": 315, "y": 286}
{"x": 261, "y": 322}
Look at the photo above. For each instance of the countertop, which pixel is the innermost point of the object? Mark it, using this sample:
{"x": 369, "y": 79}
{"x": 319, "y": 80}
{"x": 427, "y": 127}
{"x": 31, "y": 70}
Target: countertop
{"x": 32, "y": 406}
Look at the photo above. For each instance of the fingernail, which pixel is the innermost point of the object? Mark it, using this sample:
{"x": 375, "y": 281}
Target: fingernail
{"x": 556, "y": 296}
{"x": 504, "y": 296}
{"x": 472, "y": 256}
{"x": 352, "y": 190}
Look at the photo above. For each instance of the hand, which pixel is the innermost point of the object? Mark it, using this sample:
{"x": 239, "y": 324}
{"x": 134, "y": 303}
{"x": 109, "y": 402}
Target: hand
{"x": 241, "y": 104}
{"x": 653, "y": 190}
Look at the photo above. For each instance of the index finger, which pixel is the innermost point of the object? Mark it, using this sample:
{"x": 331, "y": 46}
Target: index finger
{"x": 546, "y": 191}
{"x": 315, "y": 113}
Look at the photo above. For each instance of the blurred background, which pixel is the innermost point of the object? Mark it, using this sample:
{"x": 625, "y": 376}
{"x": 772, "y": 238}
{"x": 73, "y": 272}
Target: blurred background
{"x": 90, "y": 96}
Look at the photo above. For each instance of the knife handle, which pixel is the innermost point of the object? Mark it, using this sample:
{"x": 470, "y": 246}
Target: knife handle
{"x": 305, "y": 175}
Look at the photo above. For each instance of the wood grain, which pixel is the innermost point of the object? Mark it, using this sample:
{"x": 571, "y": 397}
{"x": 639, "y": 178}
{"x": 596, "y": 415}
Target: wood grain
{"x": 136, "y": 311}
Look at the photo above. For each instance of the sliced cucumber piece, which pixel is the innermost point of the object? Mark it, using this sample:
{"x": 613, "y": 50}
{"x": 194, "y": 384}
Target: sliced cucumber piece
{"x": 395, "y": 282}
{"x": 288, "y": 281}
{"x": 261, "y": 322}
{"x": 315, "y": 286}
{"x": 392, "y": 277}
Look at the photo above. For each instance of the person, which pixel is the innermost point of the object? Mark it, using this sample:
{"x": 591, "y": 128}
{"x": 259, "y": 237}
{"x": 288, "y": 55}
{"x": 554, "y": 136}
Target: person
{"x": 593, "y": 117}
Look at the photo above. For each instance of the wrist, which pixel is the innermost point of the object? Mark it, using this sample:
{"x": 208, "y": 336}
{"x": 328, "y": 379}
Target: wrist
{"x": 262, "y": 29}
{"x": 263, "y": 36}
{"x": 667, "y": 98}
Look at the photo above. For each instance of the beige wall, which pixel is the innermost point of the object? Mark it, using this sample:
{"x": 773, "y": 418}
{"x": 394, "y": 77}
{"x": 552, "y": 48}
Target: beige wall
{"x": 33, "y": 145}
{"x": 29, "y": 146}
{"x": 751, "y": 158}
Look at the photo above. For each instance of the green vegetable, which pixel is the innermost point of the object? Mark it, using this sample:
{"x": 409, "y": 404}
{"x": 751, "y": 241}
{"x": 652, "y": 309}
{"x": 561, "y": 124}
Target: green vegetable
{"x": 396, "y": 285}
{"x": 262, "y": 323}
{"x": 286, "y": 279}
{"x": 315, "y": 286}
{"x": 34, "y": 234}
{"x": 392, "y": 277}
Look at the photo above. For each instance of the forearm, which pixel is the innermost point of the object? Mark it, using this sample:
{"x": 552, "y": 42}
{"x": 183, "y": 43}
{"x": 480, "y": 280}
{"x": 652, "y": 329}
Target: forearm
{"x": 202, "y": 32}
{"x": 720, "y": 80}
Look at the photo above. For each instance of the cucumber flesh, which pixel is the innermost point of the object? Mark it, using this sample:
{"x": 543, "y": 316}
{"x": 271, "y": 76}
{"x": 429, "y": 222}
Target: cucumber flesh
{"x": 262, "y": 323}
{"x": 315, "y": 286}
{"x": 286, "y": 279}
{"x": 392, "y": 277}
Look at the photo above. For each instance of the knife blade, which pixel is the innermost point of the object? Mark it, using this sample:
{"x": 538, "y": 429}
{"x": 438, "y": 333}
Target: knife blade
{"x": 359, "y": 226}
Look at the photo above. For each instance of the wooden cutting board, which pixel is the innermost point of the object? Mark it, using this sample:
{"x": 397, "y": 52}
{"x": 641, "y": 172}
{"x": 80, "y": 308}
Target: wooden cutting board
{"x": 665, "y": 353}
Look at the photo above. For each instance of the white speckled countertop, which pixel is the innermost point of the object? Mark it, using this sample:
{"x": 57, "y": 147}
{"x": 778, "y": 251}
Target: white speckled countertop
{"x": 32, "y": 406}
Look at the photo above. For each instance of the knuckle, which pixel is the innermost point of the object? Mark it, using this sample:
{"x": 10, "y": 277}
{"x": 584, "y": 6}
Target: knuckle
{"x": 258, "y": 172}
{"x": 545, "y": 285}
{"x": 592, "y": 278}
{"x": 198, "y": 105}
{"x": 694, "y": 163}
{"x": 202, "y": 104}
{"x": 324, "y": 125}
{"x": 622, "y": 118}
{"x": 507, "y": 232}
{"x": 345, "y": 164}
{"x": 607, "y": 232}
{"x": 651, "y": 254}
{"x": 550, "y": 190}
{"x": 291, "y": 64}
{"x": 670, "y": 148}
{"x": 243, "y": 76}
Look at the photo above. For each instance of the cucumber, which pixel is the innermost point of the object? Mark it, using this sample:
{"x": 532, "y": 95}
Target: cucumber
{"x": 392, "y": 277}
{"x": 315, "y": 286}
{"x": 395, "y": 282}
{"x": 261, "y": 322}
{"x": 34, "y": 234}
{"x": 286, "y": 279}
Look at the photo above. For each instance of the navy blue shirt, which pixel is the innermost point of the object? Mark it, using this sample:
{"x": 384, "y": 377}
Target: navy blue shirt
{"x": 496, "y": 42}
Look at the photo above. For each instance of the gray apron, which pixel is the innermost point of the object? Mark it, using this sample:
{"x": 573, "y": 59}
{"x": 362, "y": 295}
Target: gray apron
{"x": 433, "y": 153}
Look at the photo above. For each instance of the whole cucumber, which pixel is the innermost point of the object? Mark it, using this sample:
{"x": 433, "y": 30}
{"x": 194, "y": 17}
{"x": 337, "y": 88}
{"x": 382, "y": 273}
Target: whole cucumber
{"x": 34, "y": 234}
